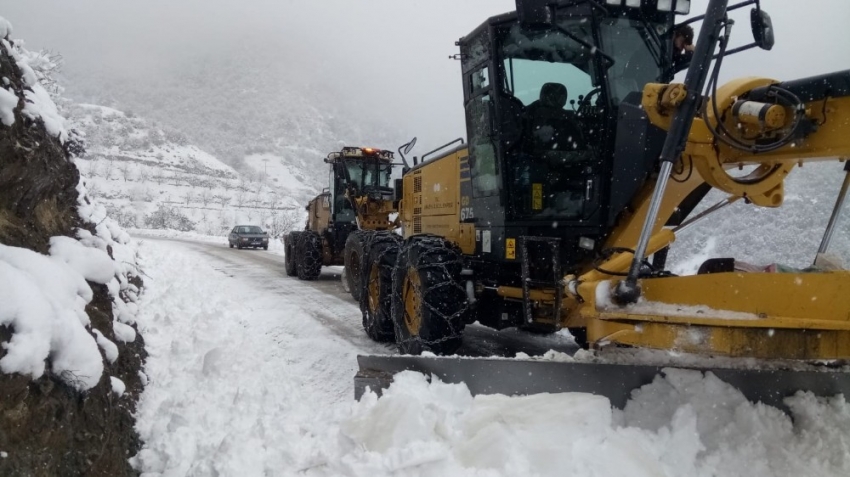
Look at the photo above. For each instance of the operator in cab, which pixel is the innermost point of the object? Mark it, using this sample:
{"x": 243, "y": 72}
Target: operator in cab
{"x": 683, "y": 47}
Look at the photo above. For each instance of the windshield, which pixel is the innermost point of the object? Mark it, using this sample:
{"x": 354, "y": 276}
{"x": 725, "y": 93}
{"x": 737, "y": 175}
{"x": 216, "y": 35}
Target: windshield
{"x": 250, "y": 230}
{"x": 533, "y": 59}
{"x": 365, "y": 174}
{"x": 549, "y": 90}
{"x": 635, "y": 45}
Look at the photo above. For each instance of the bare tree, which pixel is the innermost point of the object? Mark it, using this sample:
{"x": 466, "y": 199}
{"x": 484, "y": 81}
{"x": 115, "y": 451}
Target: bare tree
{"x": 188, "y": 196}
{"x": 93, "y": 188}
{"x": 144, "y": 175}
{"x": 283, "y": 222}
{"x": 125, "y": 170}
{"x": 222, "y": 199}
{"x": 92, "y": 169}
{"x": 241, "y": 197}
{"x": 274, "y": 200}
{"x": 205, "y": 196}
{"x": 110, "y": 166}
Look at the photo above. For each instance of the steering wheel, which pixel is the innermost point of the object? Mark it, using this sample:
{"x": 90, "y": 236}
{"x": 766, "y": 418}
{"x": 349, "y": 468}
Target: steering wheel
{"x": 584, "y": 107}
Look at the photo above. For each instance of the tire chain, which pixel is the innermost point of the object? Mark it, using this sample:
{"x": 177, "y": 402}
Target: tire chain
{"x": 434, "y": 246}
{"x": 310, "y": 257}
{"x": 392, "y": 242}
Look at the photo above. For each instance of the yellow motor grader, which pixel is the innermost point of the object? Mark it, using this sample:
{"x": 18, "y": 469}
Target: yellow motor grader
{"x": 360, "y": 198}
{"x": 584, "y": 160}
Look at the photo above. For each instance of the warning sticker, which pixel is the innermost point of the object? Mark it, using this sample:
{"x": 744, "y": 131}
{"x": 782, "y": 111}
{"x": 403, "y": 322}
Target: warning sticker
{"x": 537, "y": 196}
{"x": 510, "y": 249}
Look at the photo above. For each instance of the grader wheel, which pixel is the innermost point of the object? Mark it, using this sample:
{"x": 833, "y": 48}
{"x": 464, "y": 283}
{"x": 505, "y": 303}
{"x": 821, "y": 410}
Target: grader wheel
{"x": 429, "y": 305}
{"x": 354, "y": 259}
{"x": 377, "y": 283}
{"x": 308, "y": 256}
{"x": 289, "y": 253}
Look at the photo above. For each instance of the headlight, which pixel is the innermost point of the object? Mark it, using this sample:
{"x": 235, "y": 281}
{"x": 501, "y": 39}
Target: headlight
{"x": 244, "y": 239}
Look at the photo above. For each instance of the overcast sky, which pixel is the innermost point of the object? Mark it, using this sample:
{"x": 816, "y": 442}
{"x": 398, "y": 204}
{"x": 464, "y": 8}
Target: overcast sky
{"x": 387, "y": 55}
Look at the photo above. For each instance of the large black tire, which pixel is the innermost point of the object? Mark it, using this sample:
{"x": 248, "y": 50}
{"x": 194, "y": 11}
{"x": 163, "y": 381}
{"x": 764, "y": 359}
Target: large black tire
{"x": 429, "y": 306}
{"x": 308, "y": 255}
{"x": 376, "y": 284}
{"x": 353, "y": 258}
{"x": 289, "y": 253}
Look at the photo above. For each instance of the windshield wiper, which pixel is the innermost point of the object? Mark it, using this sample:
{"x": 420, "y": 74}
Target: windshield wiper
{"x": 656, "y": 51}
{"x": 592, "y": 48}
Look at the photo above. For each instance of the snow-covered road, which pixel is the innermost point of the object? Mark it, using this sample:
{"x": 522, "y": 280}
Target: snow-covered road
{"x": 250, "y": 374}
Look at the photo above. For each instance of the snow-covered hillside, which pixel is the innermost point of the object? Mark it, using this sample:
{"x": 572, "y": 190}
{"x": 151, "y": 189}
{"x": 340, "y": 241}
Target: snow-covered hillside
{"x": 787, "y": 235}
{"x": 149, "y": 176}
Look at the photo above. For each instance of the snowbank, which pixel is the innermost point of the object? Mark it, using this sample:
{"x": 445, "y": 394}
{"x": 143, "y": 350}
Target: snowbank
{"x": 5, "y": 28}
{"x": 683, "y": 424}
{"x": 38, "y": 104}
{"x": 44, "y": 302}
{"x": 44, "y": 299}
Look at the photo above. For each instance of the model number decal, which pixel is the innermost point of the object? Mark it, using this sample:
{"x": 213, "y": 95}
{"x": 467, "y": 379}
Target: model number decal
{"x": 466, "y": 213}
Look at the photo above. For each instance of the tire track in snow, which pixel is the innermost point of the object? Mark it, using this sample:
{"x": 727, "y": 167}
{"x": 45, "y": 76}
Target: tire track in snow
{"x": 324, "y": 300}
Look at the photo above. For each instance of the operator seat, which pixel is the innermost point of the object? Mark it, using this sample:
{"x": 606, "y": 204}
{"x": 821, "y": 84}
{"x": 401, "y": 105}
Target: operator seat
{"x": 549, "y": 125}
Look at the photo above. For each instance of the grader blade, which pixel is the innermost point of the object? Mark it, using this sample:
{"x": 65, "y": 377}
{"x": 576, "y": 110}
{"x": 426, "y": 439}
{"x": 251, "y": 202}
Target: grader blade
{"x": 614, "y": 381}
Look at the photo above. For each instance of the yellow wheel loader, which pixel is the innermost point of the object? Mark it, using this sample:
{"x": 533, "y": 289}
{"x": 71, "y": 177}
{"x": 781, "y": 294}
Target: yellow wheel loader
{"x": 359, "y": 198}
{"x": 584, "y": 160}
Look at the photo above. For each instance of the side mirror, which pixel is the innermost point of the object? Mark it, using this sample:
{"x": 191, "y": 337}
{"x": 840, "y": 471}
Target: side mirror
{"x": 762, "y": 28}
{"x": 409, "y": 146}
{"x": 405, "y": 149}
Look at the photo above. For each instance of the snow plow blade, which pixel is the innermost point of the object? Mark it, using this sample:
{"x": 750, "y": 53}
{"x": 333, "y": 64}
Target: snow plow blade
{"x": 614, "y": 381}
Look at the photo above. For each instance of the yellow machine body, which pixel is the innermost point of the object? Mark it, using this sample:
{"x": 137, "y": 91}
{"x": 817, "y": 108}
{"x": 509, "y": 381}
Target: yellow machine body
{"x": 765, "y": 315}
{"x": 432, "y": 202}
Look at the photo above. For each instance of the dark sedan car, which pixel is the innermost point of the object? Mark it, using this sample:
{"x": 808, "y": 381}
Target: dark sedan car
{"x": 248, "y": 236}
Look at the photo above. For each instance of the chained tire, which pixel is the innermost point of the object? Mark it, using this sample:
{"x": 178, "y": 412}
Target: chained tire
{"x": 308, "y": 255}
{"x": 289, "y": 253}
{"x": 429, "y": 305}
{"x": 376, "y": 284}
{"x": 353, "y": 259}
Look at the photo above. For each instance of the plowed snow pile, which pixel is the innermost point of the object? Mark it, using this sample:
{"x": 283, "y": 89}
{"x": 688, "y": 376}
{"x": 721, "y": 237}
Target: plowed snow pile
{"x": 244, "y": 385}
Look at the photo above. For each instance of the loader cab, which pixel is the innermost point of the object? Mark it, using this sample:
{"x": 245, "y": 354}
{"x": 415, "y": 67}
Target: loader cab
{"x": 543, "y": 103}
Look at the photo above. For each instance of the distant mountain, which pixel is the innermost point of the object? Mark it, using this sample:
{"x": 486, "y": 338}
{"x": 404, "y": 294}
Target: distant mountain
{"x": 242, "y": 104}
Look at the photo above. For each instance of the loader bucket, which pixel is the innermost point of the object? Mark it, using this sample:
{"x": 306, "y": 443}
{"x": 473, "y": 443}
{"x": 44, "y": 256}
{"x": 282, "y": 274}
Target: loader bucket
{"x": 614, "y": 381}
